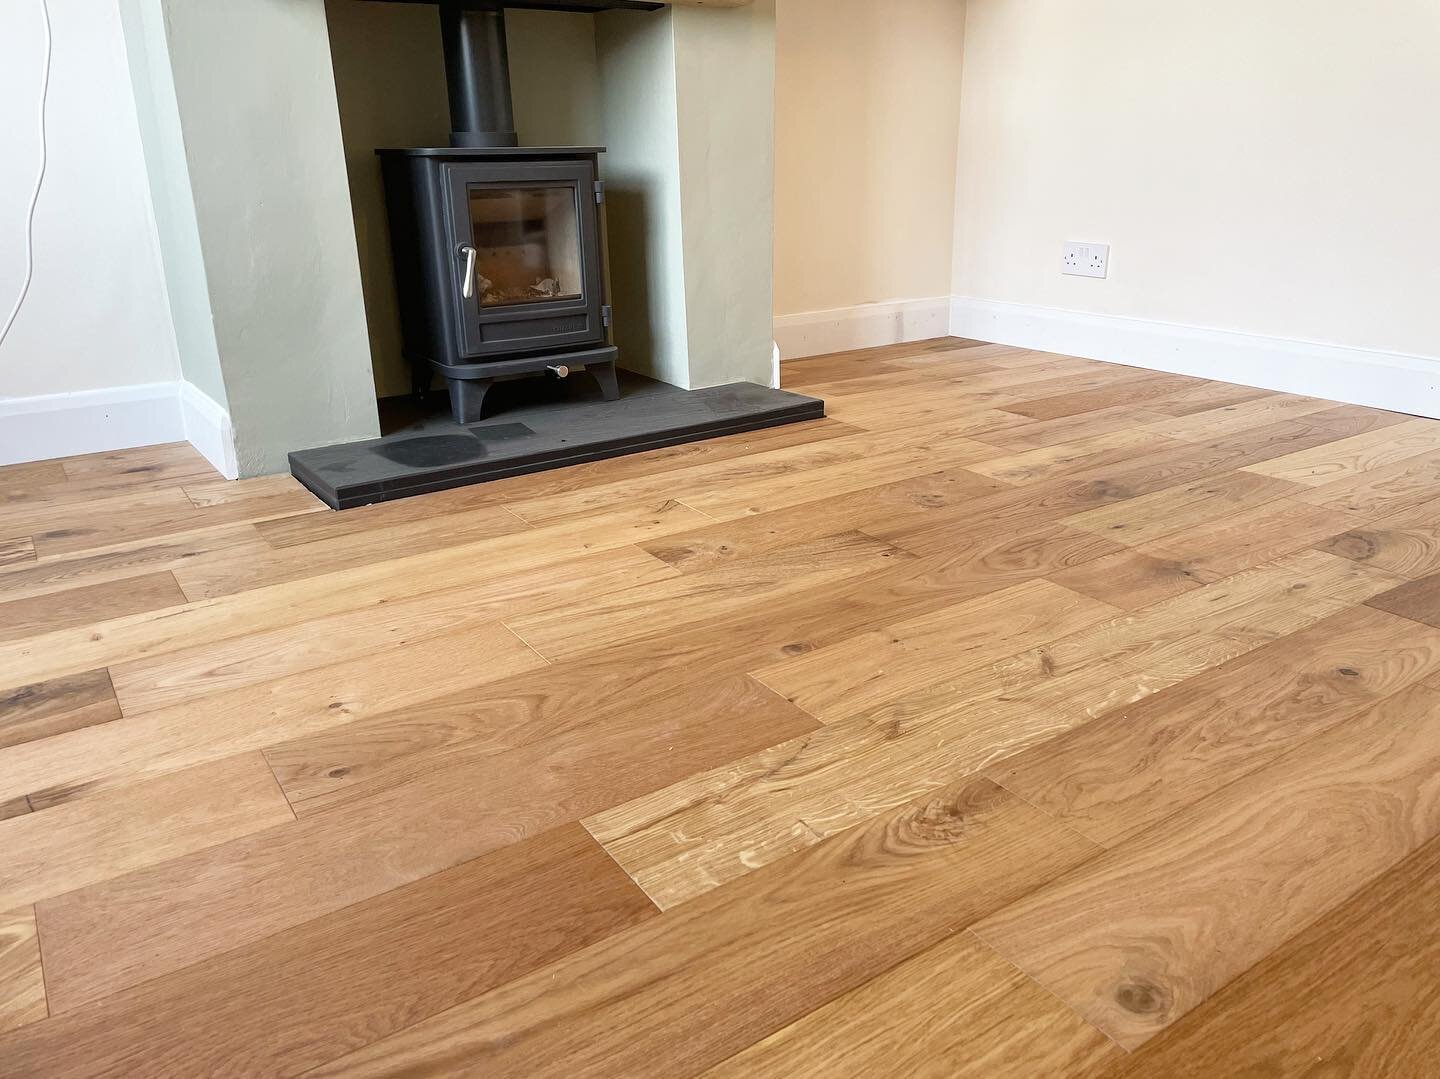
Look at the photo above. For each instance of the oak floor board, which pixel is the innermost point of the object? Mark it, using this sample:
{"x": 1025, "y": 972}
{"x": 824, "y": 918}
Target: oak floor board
{"x": 1353, "y": 994}
{"x": 1121, "y": 773}
{"x": 158, "y": 920}
{"x": 140, "y": 461}
{"x": 1391, "y": 489}
{"x": 169, "y": 678}
{"x": 29, "y": 475}
{"x": 335, "y": 984}
{"x": 685, "y": 839}
{"x": 97, "y": 838}
{"x": 45, "y": 709}
{"x": 955, "y": 1009}
{"x": 1239, "y": 541}
{"x": 17, "y": 552}
{"x": 387, "y": 751}
{"x": 1141, "y": 935}
{"x": 689, "y": 600}
{"x": 1154, "y": 516}
{"x": 59, "y": 573}
{"x": 801, "y": 459}
{"x": 212, "y": 577}
{"x": 98, "y": 531}
{"x": 1406, "y": 542}
{"x": 35, "y": 616}
{"x": 684, "y": 987}
{"x": 85, "y": 762}
{"x": 1232, "y": 419}
{"x": 1354, "y": 456}
{"x": 797, "y": 488}
{"x": 1191, "y": 626}
{"x": 1038, "y": 434}
{"x": 854, "y": 675}
{"x": 908, "y": 501}
{"x": 1416, "y": 600}
{"x": 1132, "y": 579}
{"x": 1033, "y": 466}
{"x": 22, "y": 982}
{"x": 507, "y": 567}
{"x": 1138, "y": 389}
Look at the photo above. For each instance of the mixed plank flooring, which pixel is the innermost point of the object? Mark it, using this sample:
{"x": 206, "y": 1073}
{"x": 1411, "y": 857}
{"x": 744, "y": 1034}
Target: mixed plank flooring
{"x": 1026, "y": 716}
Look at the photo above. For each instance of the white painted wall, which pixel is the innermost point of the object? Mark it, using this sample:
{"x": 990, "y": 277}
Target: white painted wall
{"x": 97, "y": 315}
{"x": 1264, "y": 170}
{"x": 867, "y": 114}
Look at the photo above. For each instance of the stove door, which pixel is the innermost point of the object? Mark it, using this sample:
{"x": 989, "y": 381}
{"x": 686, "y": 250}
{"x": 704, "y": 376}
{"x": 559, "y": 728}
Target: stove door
{"x": 526, "y": 253}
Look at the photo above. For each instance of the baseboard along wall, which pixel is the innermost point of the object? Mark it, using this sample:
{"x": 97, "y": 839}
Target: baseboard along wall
{"x": 116, "y": 418}
{"x": 816, "y": 333}
{"x": 1389, "y": 380}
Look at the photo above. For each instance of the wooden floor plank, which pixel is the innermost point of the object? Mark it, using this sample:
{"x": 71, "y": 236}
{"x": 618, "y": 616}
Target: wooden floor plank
{"x": 689, "y": 985}
{"x": 954, "y": 1010}
{"x": 17, "y": 552}
{"x": 1116, "y": 776}
{"x": 95, "y": 839}
{"x": 251, "y": 717}
{"x": 685, "y": 839}
{"x": 377, "y": 838}
{"x": 1193, "y": 627}
{"x": 1416, "y": 600}
{"x": 862, "y": 672}
{"x": 336, "y": 984}
{"x": 79, "y": 607}
{"x": 45, "y": 709}
{"x": 1142, "y": 935}
{"x": 1354, "y": 994}
{"x": 22, "y": 982}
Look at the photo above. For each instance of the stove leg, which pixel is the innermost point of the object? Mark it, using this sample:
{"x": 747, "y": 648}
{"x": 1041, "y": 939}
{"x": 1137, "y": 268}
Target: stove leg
{"x": 605, "y": 375}
{"x": 467, "y": 398}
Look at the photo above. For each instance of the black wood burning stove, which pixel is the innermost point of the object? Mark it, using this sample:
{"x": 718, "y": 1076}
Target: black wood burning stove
{"x": 498, "y": 248}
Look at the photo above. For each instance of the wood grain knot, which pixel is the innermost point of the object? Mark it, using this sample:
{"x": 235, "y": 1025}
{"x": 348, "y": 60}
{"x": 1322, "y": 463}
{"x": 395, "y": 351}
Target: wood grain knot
{"x": 1140, "y": 997}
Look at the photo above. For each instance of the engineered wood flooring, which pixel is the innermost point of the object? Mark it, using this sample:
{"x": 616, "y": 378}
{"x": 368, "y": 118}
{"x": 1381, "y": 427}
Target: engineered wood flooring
{"x": 1028, "y": 716}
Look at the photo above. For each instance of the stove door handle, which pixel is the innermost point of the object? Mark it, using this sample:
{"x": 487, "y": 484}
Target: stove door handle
{"x": 467, "y": 283}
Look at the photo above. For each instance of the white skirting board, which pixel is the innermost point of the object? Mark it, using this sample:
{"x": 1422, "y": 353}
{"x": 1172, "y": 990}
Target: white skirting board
{"x": 1389, "y": 380}
{"x": 116, "y": 418}
{"x": 816, "y": 333}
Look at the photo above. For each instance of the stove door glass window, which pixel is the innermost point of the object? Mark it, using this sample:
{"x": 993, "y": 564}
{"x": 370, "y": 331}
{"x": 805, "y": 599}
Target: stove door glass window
{"x": 527, "y": 244}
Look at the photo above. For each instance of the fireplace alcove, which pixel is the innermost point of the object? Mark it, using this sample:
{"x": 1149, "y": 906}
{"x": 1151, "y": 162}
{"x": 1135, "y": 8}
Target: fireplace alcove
{"x": 499, "y": 274}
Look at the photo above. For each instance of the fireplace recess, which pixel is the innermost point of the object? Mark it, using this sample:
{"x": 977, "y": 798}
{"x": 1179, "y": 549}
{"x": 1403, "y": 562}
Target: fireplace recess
{"x": 499, "y": 249}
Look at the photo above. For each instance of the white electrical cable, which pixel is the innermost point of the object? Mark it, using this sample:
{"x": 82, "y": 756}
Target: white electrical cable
{"x": 39, "y": 181}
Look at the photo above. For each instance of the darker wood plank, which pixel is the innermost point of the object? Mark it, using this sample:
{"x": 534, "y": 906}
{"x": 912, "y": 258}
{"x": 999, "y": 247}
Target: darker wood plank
{"x": 1132, "y": 579}
{"x": 333, "y": 985}
{"x": 712, "y": 976}
{"x": 377, "y": 835}
{"x": 1353, "y": 994}
{"x": 45, "y": 709}
{"x": 1417, "y": 600}
{"x": 88, "y": 604}
{"x": 17, "y": 552}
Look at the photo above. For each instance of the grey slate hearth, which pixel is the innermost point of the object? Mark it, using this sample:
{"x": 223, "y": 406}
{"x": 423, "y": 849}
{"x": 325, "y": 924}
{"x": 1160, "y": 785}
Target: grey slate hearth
{"x": 536, "y": 425}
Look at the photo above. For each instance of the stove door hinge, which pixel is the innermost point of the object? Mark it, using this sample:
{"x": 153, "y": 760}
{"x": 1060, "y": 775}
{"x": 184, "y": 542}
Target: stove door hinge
{"x": 605, "y": 314}
{"x": 599, "y": 192}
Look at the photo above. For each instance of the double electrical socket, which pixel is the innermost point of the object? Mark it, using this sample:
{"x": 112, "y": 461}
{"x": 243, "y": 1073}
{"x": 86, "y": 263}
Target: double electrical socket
{"x": 1085, "y": 260}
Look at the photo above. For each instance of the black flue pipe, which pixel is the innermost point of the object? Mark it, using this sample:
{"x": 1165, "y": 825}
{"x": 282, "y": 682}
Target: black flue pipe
{"x": 477, "y": 74}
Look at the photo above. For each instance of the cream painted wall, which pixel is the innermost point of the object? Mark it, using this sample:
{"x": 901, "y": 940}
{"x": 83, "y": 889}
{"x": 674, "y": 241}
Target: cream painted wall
{"x": 97, "y": 315}
{"x": 1265, "y": 168}
{"x": 867, "y": 110}
{"x": 390, "y": 81}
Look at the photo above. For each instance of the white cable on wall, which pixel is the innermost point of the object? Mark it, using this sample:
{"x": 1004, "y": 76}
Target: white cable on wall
{"x": 39, "y": 181}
